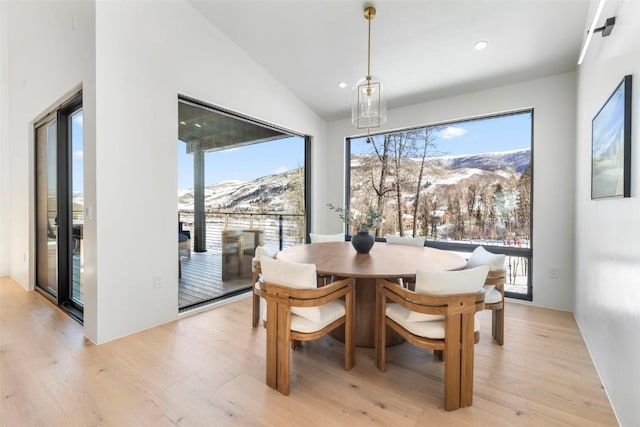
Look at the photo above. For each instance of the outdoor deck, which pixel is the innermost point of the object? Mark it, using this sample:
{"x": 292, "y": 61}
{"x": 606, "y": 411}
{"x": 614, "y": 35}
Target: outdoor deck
{"x": 205, "y": 278}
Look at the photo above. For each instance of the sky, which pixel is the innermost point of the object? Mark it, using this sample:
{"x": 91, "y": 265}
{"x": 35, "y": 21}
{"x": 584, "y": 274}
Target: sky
{"x": 77, "y": 143}
{"x": 494, "y": 134}
{"x": 502, "y": 133}
{"x": 608, "y": 124}
{"x": 243, "y": 163}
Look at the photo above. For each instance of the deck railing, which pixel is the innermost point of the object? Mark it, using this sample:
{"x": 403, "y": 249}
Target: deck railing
{"x": 282, "y": 229}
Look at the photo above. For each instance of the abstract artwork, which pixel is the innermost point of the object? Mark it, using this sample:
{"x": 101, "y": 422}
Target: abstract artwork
{"x": 611, "y": 145}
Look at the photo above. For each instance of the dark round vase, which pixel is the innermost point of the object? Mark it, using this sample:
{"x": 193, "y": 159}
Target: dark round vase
{"x": 362, "y": 242}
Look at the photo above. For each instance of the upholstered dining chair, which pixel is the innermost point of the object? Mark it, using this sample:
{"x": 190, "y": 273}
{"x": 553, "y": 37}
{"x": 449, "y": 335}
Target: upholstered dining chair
{"x": 494, "y": 288}
{"x": 231, "y": 242}
{"x": 439, "y": 315}
{"x": 399, "y": 240}
{"x": 321, "y": 238}
{"x": 299, "y": 311}
{"x": 268, "y": 250}
{"x": 411, "y": 241}
{"x": 323, "y": 279}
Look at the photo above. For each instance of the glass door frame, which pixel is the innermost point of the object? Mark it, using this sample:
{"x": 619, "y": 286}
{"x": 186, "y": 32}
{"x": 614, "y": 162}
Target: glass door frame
{"x": 64, "y": 207}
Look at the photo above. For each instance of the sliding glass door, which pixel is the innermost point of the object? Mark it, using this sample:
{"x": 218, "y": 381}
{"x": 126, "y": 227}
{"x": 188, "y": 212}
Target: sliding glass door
{"x": 47, "y": 208}
{"x": 77, "y": 206}
{"x": 59, "y": 206}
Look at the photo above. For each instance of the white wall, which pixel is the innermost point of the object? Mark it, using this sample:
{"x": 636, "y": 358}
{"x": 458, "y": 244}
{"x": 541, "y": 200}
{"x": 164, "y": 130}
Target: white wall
{"x": 553, "y": 100}
{"x": 148, "y": 53}
{"x": 47, "y": 58}
{"x": 133, "y": 59}
{"x": 607, "y": 304}
{"x": 5, "y": 201}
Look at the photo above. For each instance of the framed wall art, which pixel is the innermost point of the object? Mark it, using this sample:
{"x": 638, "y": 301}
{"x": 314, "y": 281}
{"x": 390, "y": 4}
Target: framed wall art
{"x": 611, "y": 145}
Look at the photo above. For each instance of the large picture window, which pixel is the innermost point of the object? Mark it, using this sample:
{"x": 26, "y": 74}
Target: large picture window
{"x": 242, "y": 183}
{"x": 459, "y": 184}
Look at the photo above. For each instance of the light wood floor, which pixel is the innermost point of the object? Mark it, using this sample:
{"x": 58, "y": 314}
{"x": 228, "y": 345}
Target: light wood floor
{"x": 208, "y": 370}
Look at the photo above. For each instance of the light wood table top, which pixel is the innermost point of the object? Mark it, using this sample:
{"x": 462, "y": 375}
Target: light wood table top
{"x": 384, "y": 260}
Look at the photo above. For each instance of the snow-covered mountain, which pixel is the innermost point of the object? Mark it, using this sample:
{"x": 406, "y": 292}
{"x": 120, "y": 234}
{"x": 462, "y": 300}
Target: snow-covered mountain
{"x": 272, "y": 193}
{"x": 280, "y": 192}
{"x": 493, "y": 162}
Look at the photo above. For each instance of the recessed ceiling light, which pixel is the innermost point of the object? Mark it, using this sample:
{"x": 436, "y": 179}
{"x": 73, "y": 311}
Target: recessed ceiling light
{"x": 198, "y": 125}
{"x": 183, "y": 123}
{"x": 481, "y": 45}
{"x": 342, "y": 85}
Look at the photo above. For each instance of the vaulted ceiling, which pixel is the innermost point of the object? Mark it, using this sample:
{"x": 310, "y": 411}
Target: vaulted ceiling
{"x": 422, "y": 50}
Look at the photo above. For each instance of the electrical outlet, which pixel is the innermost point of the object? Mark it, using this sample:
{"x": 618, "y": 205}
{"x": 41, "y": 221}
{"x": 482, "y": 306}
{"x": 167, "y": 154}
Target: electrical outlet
{"x": 554, "y": 272}
{"x": 157, "y": 283}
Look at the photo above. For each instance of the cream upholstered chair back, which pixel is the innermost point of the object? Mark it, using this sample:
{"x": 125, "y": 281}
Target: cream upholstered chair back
{"x": 410, "y": 241}
{"x": 439, "y": 315}
{"x": 494, "y": 287}
{"x": 299, "y": 311}
{"x": 398, "y": 240}
{"x": 321, "y": 238}
{"x": 481, "y": 256}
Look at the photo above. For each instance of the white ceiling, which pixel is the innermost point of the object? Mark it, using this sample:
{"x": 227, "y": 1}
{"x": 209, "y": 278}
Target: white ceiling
{"x": 421, "y": 50}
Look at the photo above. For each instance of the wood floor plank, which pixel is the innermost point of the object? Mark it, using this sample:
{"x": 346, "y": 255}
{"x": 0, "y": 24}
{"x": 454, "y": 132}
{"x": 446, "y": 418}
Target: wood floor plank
{"x": 209, "y": 369}
{"x": 204, "y": 278}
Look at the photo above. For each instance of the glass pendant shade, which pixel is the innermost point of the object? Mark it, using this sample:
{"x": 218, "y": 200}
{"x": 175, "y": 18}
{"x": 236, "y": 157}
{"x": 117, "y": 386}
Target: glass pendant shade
{"x": 369, "y": 108}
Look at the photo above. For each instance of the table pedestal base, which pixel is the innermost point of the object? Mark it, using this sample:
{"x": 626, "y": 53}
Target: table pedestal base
{"x": 366, "y": 317}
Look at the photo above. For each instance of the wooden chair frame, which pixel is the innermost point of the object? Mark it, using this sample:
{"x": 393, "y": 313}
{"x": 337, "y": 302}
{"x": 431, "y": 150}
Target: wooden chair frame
{"x": 457, "y": 346}
{"x": 234, "y": 237}
{"x": 280, "y": 299}
{"x": 497, "y": 278}
{"x": 256, "y": 269}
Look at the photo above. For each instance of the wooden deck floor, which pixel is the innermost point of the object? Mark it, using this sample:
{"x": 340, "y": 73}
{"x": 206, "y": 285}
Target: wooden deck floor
{"x": 206, "y": 278}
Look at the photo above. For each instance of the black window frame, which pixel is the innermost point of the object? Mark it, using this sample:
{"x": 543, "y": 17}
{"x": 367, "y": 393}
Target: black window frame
{"x": 465, "y": 247}
{"x": 307, "y": 175}
{"x": 253, "y": 120}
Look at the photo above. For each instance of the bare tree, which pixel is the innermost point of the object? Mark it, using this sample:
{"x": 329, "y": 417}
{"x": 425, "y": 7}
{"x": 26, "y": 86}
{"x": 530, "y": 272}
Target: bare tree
{"x": 294, "y": 194}
{"x": 471, "y": 199}
{"x": 398, "y": 145}
{"x": 427, "y": 140}
{"x": 381, "y": 189}
{"x": 433, "y": 218}
{"x": 523, "y": 210}
{"x": 454, "y": 210}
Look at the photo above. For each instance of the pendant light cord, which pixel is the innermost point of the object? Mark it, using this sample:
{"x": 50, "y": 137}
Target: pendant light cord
{"x": 369, "y": 51}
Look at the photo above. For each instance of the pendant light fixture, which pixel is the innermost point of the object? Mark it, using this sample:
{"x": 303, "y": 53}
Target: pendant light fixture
{"x": 369, "y": 109}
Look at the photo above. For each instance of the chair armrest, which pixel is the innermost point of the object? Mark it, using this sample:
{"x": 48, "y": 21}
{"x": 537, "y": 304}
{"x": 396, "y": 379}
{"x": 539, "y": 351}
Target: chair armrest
{"x": 430, "y": 304}
{"x": 496, "y": 277}
{"x": 309, "y": 297}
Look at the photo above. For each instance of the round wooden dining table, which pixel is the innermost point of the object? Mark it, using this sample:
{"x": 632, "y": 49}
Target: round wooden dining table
{"x": 383, "y": 261}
